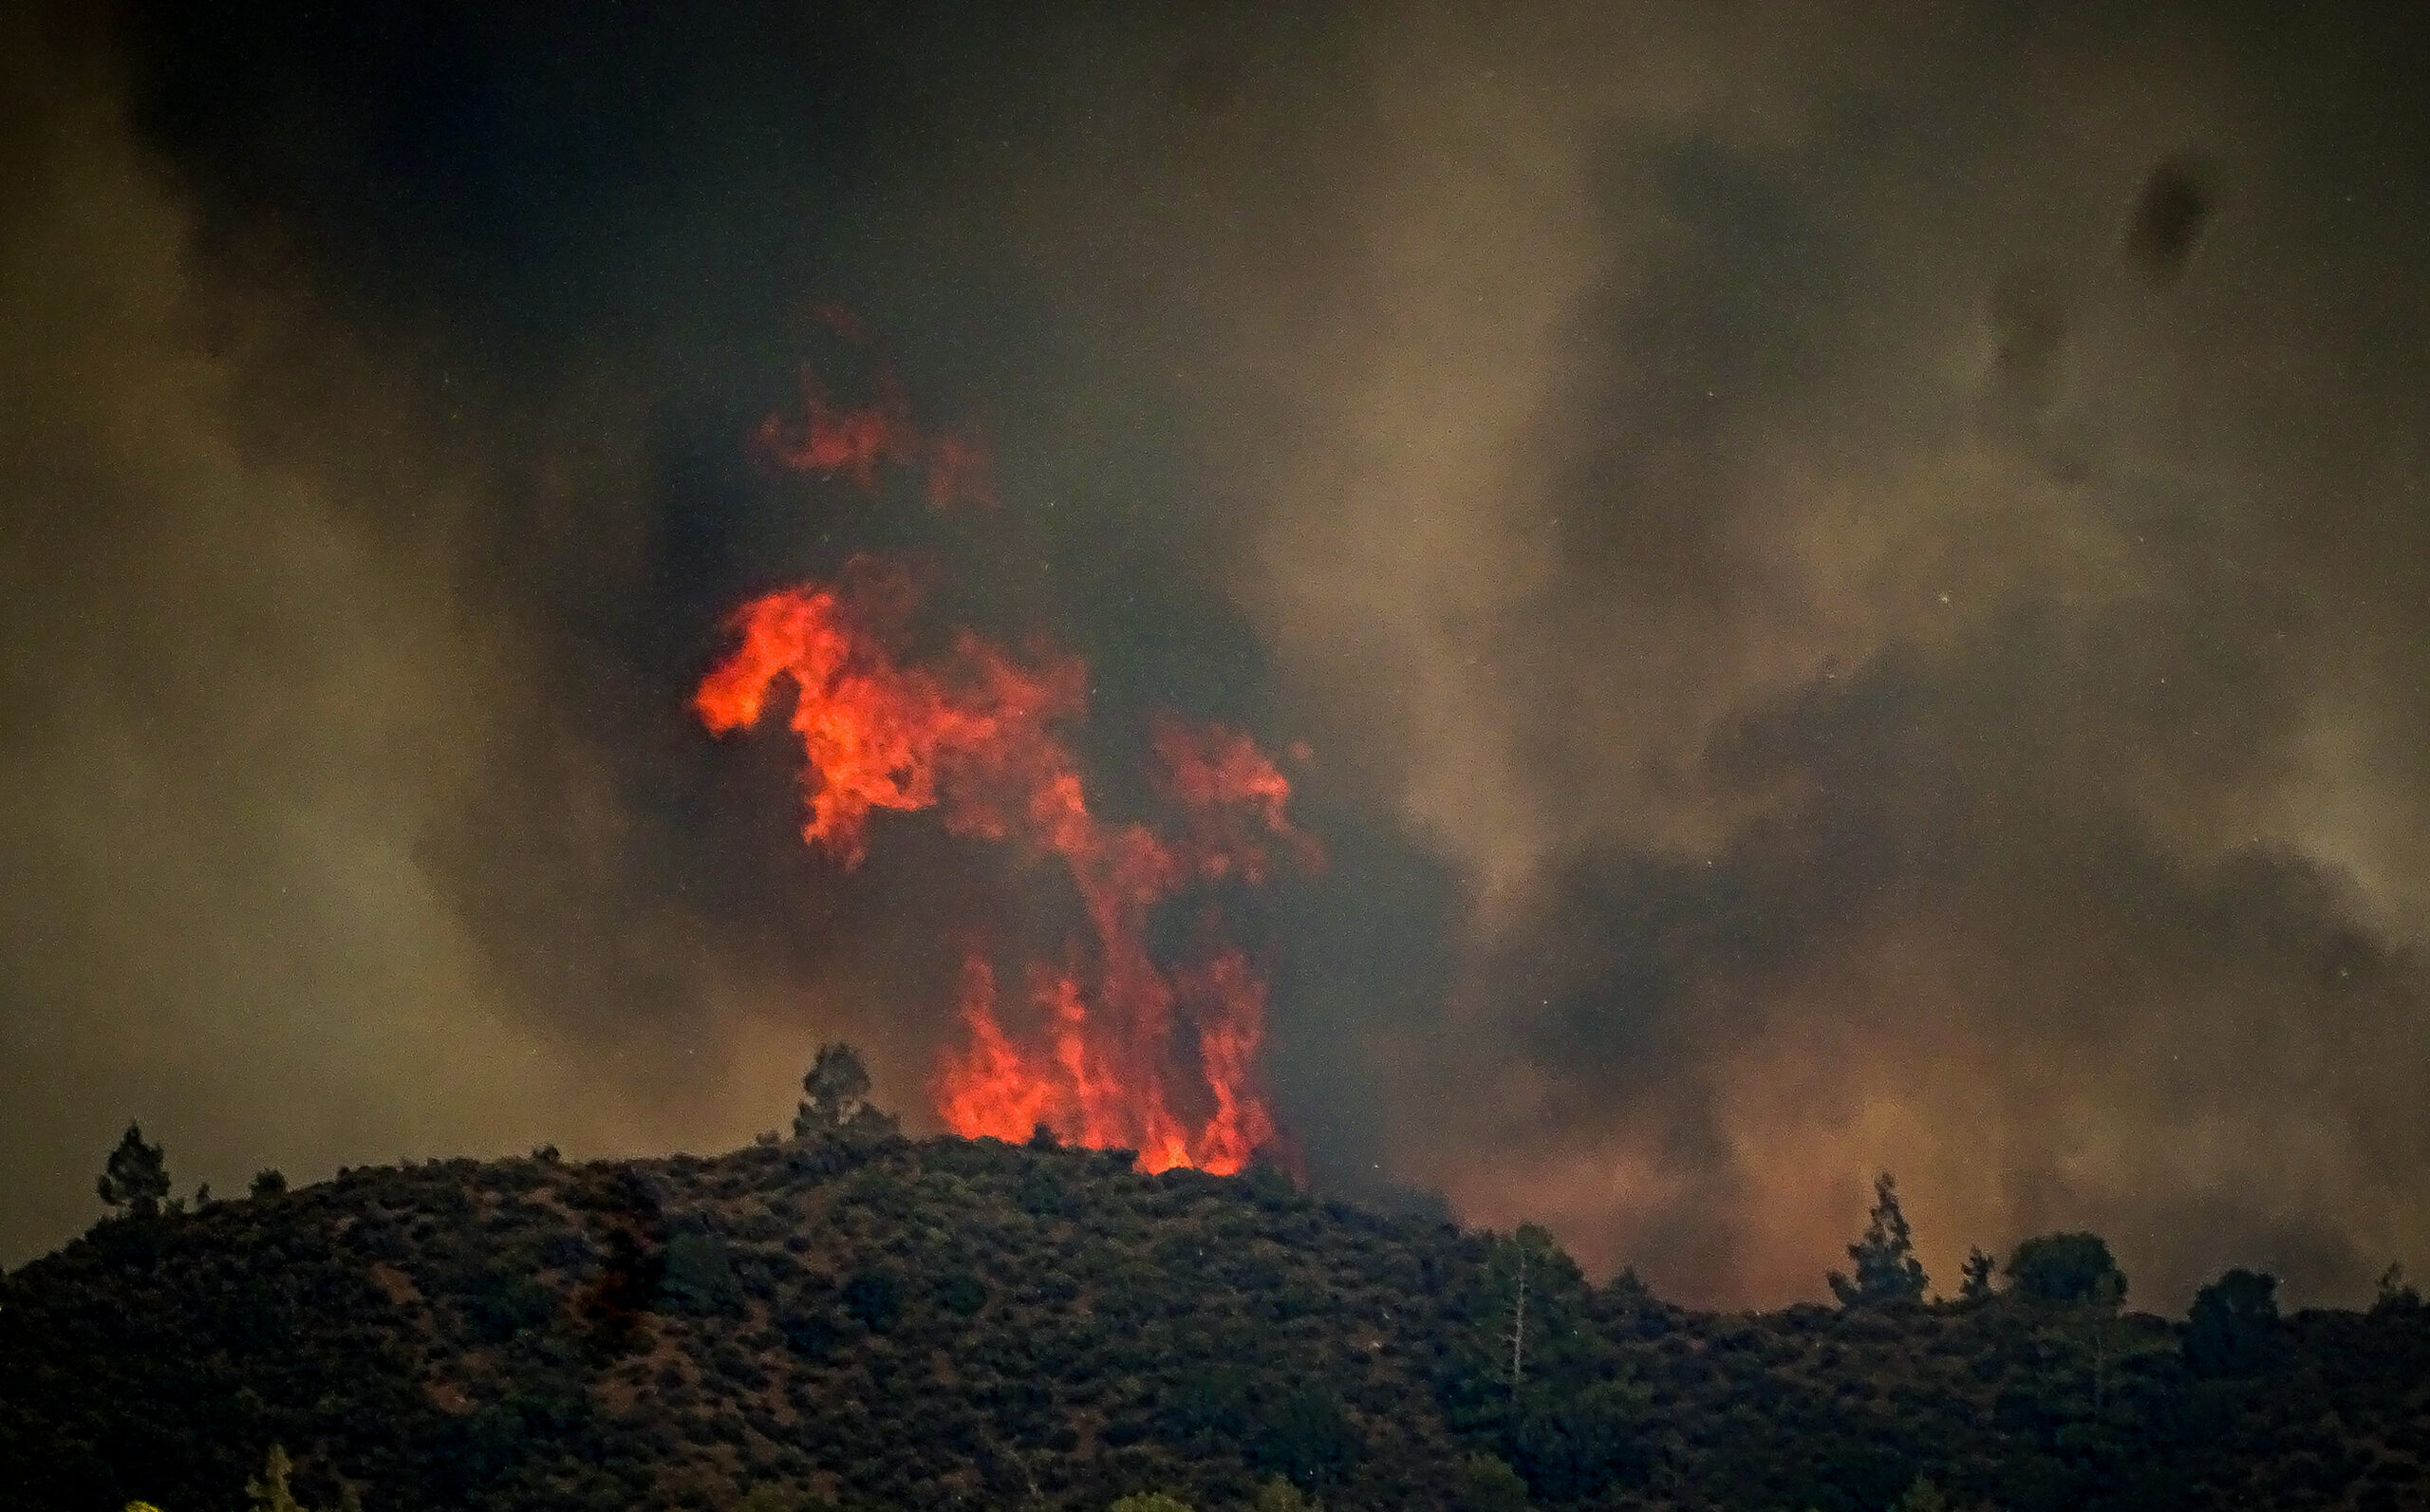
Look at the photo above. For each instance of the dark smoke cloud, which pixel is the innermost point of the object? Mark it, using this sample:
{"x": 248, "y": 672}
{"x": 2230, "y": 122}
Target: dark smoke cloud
{"x": 1855, "y": 604}
{"x": 2169, "y": 216}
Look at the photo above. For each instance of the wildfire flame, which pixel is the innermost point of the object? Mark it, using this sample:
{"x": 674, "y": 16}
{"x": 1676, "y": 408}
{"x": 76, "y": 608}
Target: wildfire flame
{"x": 835, "y": 438}
{"x": 1125, "y": 1054}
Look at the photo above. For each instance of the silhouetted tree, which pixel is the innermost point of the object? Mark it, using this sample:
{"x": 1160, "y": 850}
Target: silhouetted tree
{"x": 268, "y": 1181}
{"x": 1628, "y": 1289}
{"x": 835, "y": 1097}
{"x": 2233, "y": 1324}
{"x": 2066, "y": 1268}
{"x": 1886, "y": 1267}
{"x": 2396, "y": 1294}
{"x": 135, "y": 1179}
{"x": 1974, "y": 1277}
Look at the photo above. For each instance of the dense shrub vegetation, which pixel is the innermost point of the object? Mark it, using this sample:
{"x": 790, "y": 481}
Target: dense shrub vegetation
{"x": 861, "y": 1321}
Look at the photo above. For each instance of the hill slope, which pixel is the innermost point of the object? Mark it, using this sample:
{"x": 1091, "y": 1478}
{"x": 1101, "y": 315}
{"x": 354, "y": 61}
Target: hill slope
{"x": 884, "y": 1322}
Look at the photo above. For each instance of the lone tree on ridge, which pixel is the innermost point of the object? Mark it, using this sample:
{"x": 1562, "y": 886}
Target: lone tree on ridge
{"x": 835, "y": 1097}
{"x": 135, "y": 1179}
{"x": 1886, "y": 1268}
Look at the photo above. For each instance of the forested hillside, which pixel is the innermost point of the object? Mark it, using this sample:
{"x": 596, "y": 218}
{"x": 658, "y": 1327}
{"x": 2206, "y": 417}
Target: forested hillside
{"x": 862, "y": 1320}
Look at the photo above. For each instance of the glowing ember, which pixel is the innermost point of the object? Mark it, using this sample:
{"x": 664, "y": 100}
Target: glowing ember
{"x": 1122, "y": 1055}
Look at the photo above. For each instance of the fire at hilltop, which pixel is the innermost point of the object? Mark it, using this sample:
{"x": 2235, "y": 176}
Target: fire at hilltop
{"x": 1114, "y": 1049}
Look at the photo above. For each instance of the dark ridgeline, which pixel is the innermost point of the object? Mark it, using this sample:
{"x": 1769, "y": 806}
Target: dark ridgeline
{"x": 863, "y": 1321}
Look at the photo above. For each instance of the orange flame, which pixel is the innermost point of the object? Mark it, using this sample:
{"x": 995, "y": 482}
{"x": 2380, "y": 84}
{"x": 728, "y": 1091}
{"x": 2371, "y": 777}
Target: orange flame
{"x": 1110, "y": 1064}
{"x": 851, "y": 439}
{"x": 878, "y": 735}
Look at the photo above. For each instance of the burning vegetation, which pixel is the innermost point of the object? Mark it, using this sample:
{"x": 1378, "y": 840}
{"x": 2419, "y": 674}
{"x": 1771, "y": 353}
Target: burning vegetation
{"x": 1107, "y": 1046}
{"x": 852, "y": 439}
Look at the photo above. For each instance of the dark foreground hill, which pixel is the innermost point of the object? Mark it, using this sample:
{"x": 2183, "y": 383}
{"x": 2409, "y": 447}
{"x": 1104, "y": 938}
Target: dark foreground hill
{"x": 886, "y": 1323}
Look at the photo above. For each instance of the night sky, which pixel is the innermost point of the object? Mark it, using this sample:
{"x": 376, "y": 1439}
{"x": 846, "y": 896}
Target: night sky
{"x": 1857, "y": 581}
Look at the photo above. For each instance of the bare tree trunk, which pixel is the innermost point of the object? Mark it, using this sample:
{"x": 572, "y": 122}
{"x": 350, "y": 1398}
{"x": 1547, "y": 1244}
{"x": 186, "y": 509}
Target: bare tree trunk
{"x": 1519, "y": 1323}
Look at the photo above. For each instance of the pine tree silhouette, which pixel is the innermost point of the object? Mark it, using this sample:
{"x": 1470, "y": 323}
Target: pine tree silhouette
{"x": 135, "y": 1179}
{"x": 1886, "y": 1267}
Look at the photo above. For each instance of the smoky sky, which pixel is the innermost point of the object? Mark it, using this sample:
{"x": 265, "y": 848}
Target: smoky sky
{"x": 1855, "y": 577}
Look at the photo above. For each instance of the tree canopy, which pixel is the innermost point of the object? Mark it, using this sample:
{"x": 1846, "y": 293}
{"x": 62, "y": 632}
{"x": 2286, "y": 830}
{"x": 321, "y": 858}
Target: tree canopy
{"x": 835, "y": 1097}
{"x": 1974, "y": 1277}
{"x": 135, "y": 1179}
{"x": 1886, "y": 1268}
{"x": 2066, "y": 1268}
{"x": 2233, "y": 1324}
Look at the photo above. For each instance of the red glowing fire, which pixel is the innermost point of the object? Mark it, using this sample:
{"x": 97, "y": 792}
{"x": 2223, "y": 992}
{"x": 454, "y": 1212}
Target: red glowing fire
{"x": 1116, "y": 1051}
{"x": 852, "y": 439}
